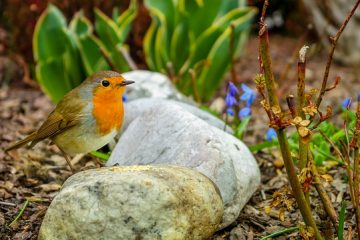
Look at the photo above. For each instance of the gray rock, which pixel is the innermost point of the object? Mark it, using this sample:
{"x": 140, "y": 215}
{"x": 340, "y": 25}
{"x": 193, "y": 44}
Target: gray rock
{"x": 172, "y": 135}
{"x": 152, "y": 85}
{"x": 137, "y": 107}
{"x": 136, "y": 202}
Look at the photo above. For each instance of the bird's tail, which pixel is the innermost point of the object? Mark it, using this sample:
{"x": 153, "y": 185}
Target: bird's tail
{"x": 21, "y": 143}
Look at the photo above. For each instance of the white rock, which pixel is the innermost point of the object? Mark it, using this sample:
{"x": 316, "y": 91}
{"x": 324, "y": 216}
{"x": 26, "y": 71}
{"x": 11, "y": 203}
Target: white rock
{"x": 171, "y": 135}
{"x": 137, "y": 107}
{"x": 152, "y": 85}
{"x": 136, "y": 202}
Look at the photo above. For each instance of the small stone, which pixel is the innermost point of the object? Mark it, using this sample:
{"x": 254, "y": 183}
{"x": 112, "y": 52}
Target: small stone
{"x": 136, "y": 202}
{"x": 278, "y": 163}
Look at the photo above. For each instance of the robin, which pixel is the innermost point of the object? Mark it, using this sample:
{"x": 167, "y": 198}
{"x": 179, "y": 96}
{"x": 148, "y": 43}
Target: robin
{"x": 86, "y": 119}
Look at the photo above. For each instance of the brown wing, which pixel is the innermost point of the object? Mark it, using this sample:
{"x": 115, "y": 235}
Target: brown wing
{"x": 67, "y": 114}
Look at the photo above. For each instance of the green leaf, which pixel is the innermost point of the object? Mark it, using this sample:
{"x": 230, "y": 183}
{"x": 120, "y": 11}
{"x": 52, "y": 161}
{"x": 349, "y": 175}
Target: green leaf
{"x": 50, "y": 30}
{"x": 241, "y": 129}
{"x": 106, "y": 29}
{"x": 179, "y": 48}
{"x": 167, "y": 9}
{"x": 53, "y": 79}
{"x": 199, "y": 14}
{"x": 149, "y": 45}
{"x": 219, "y": 58}
{"x": 342, "y": 221}
{"x": 207, "y": 39}
{"x": 125, "y": 20}
{"x": 88, "y": 45}
{"x": 58, "y": 67}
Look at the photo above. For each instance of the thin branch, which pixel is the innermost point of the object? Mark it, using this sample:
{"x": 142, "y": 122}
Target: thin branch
{"x": 331, "y": 53}
{"x": 329, "y": 208}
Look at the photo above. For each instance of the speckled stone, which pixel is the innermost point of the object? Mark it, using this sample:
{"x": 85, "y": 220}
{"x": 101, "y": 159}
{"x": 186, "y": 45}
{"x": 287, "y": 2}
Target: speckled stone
{"x": 135, "y": 202}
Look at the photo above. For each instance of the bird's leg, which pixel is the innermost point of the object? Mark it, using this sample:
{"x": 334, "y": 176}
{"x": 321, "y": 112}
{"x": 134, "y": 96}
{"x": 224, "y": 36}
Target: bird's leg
{"x": 67, "y": 159}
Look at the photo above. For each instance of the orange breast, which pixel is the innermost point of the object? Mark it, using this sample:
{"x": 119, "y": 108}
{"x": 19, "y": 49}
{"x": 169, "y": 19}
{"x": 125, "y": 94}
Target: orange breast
{"x": 108, "y": 111}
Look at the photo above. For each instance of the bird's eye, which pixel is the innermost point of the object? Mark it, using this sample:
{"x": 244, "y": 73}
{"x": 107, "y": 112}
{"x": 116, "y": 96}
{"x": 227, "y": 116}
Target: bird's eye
{"x": 105, "y": 83}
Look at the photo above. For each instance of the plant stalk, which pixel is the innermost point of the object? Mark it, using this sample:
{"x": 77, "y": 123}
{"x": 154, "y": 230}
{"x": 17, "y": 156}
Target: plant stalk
{"x": 328, "y": 206}
{"x": 265, "y": 58}
{"x": 295, "y": 184}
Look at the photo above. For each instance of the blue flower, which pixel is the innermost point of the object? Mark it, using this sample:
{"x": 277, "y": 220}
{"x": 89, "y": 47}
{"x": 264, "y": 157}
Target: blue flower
{"x": 270, "y": 134}
{"x": 346, "y": 103}
{"x": 232, "y": 89}
{"x": 358, "y": 98}
{"x": 244, "y": 112}
{"x": 230, "y": 112}
{"x": 125, "y": 97}
{"x": 249, "y": 95}
{"x": 230, "y": 100}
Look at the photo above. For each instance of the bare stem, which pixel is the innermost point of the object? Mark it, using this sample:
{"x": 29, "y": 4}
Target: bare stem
{"x": 331, "y": 53}
{"x": 264, "y": 50}
{"x": 329, "y": 208}
{"x": 303, "y": 147}
{"x": 295, "y": 184}
{"x": 356, "y": 188}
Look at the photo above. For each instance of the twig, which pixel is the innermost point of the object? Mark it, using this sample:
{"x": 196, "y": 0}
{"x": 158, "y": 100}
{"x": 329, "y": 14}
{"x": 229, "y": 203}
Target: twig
{"x": 356, "y": 188}
{"x": 331, "y": 53}
{"x": 329, "y": 208}
{"x": 303, "y": 147}
{"x": 294, "y": 55}
{"x": 7, "y": 204}
{"x": 20, "y": 213}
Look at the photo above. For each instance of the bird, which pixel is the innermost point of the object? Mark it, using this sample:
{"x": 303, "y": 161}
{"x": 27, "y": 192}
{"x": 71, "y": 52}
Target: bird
{"x": 86, "y": 118}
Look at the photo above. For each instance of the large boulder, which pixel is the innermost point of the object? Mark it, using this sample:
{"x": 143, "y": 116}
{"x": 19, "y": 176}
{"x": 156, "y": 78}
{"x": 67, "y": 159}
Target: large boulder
{"x": 152, "y": 85}
{"x": 137, "y": 107}
{"x": 172, "y": 135}
{"x": 136, "y": 202}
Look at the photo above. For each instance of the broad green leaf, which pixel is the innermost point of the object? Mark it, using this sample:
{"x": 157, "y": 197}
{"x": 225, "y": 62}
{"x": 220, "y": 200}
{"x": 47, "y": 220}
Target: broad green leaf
{"x": 149, "y": 45}
{"x": 56, "y": 55}
{"x": 219, "y": 58}
{"x": 125, "y": 20}
{"x": 179, "y": 47}
{"x": 228, "y": 5}
{"x": 107, "y": 30}
{"x": 53, "y": 79}
{"x": 207, "y": 39}
{"x": 89, "y": 46}
{"x": 49, "y": 37}
{"x": 109, "y": 35}
{"x": 164, "y": 10}
{"x": 199, "y": 14}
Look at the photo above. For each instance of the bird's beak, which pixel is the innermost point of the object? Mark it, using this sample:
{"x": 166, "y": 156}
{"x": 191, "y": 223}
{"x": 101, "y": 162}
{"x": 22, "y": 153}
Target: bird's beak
{"x": 126, "y": 82}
